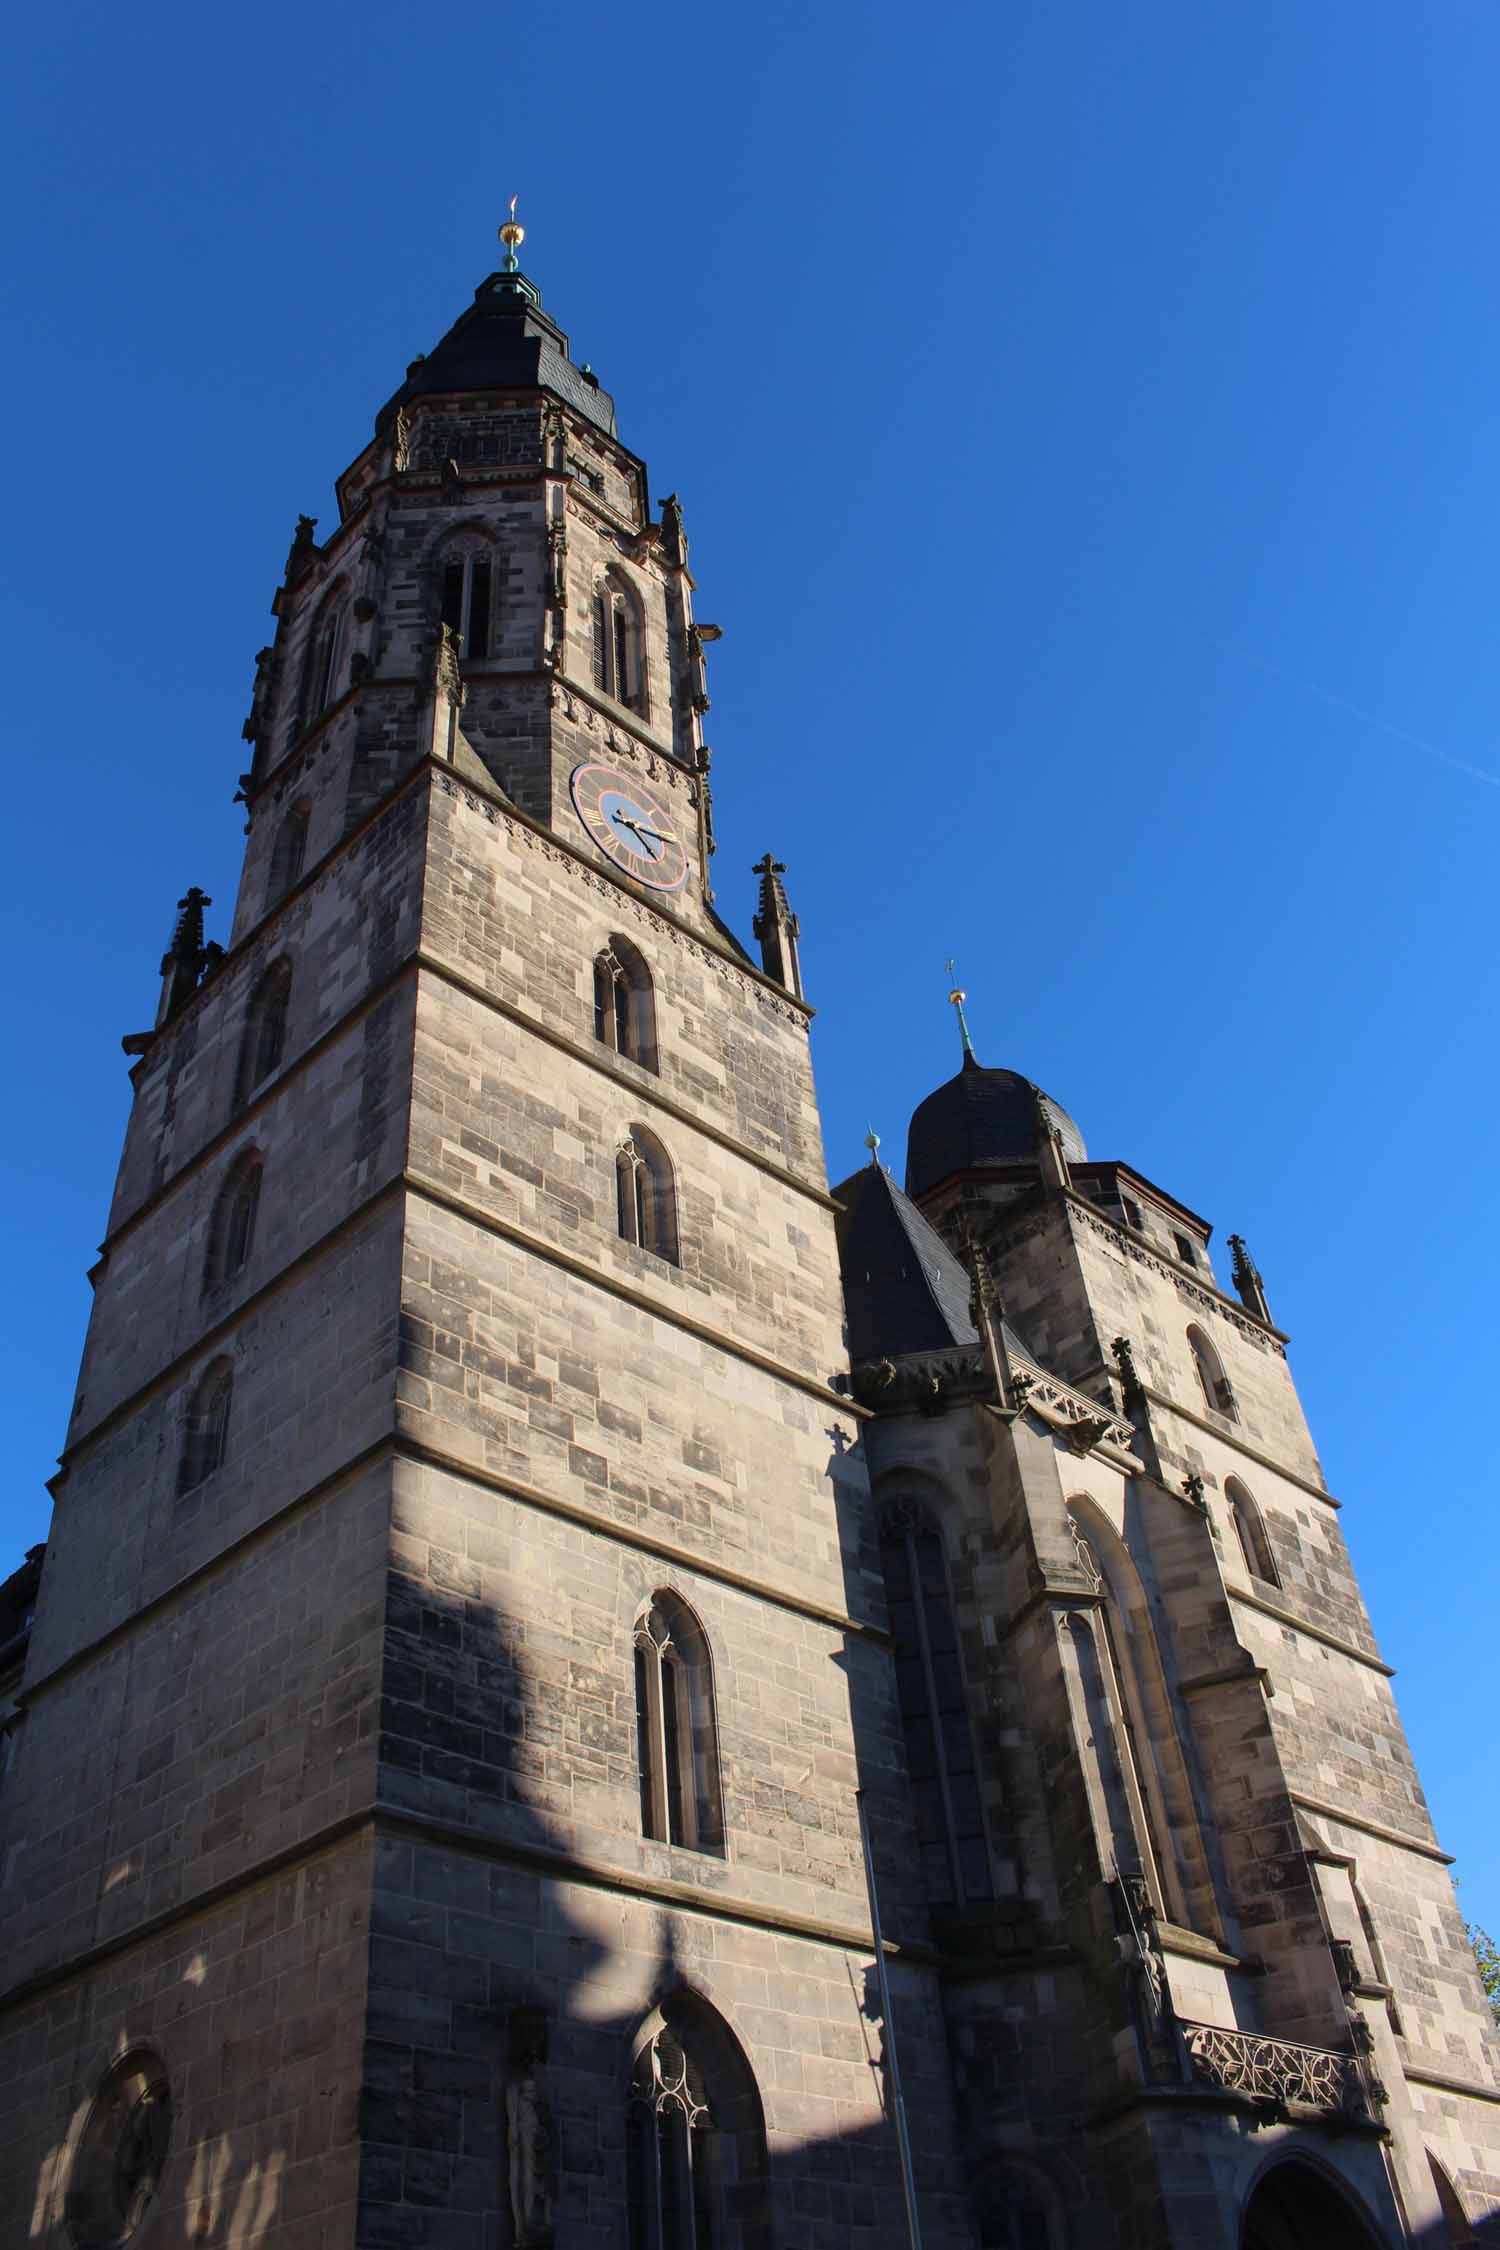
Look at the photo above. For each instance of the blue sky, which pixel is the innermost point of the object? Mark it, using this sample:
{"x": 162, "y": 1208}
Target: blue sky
{"x": 1085, "y": 420}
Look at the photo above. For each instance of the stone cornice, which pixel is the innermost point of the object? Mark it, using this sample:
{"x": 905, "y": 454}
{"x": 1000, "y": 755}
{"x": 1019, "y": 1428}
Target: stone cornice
{"x": 1227, "y": 1433}
{"x": 1187, "y": 1280}
{"x": 1470, "y": 2088}
{"x": 217, "y": 1330}
{"x": 433, "y": 1191}
{"x": 1368, "y": 1827}
{"x": 613, "y": 1285}
{"x": 645, "y": 1084}
{"x": 399, "y": 1445}
{"x": 552, "y": 1862}
{"x": 1283, "y": 1616}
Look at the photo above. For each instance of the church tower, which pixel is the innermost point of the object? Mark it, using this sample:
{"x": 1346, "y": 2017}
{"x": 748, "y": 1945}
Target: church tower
{"x": 1206, "y": 1979}
{"x": 431, "y": 1815}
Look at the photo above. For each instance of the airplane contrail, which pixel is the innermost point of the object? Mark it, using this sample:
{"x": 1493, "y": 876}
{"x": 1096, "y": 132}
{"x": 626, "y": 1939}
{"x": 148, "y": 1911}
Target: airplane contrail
{"x": 1368, "y": 718}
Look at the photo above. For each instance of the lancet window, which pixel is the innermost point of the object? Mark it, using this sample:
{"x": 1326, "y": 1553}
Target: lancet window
{"x": 1250, "y": 1531}
{"x": 1138, "y": 1788}
{"x": 676, "y": 1739}
{"x": 205, "y": 1435}
{"x": 325, "y": 661}
{"x": 287, "y": 853}
{"x": 264, "y": 1040}
{"x": 696, "y": 2144}
{"x": 645, "y": 1197}
{"x": 232, "y": 1228}
{"x": 1212, "y": 1379}
{"x": 468, "y": 596}
{"x": 624, "y": 1005}
{"x": 934, "y": 1709}
{"x": 618, "y": 642}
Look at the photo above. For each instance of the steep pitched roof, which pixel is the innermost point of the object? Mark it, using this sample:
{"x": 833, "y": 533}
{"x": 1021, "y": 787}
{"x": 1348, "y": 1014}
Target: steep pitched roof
{"x": 903, "y": 1288}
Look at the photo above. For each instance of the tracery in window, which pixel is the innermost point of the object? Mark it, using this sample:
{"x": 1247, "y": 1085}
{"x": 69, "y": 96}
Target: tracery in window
{"x": 1250, "y": 1531}
{"x": 468, "y": 596}
{"x": 618, "y": 642}
{"x": 205, "y": 1434}
{"x": 1211, "y": 1376}
{"x": 695, "y": 2139}
{"x": 624, "y": 1004}
{"x": 287, "y": 853}
{"x": 645, "y": 1197}
{"x": 264, "y": 1041}
{"x": 232, "y": 1228}
{"x": 940, "y": 1759}
{"x": 677, "y": 1747}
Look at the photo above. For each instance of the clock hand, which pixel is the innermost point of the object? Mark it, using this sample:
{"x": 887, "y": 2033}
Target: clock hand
{"x": 660, "y": 835}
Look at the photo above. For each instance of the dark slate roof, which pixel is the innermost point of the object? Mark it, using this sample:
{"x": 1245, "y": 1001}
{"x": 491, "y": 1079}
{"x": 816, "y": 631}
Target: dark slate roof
{"x": 980, "y": 1117}
{"x": 504, "y": 342}
{"x": 904, "y": 1289}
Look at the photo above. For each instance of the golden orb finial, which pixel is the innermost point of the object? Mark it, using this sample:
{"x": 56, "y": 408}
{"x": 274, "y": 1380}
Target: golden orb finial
{"x": 512, "y": 234}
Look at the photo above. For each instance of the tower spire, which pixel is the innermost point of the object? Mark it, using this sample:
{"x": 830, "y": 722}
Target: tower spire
{"x": 958, "y": 996}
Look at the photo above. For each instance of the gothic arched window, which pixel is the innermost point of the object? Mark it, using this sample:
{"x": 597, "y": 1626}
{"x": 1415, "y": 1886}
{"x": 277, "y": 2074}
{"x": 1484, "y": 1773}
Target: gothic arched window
{"x": 645, "y": 1198}
{"x": 264, "y": 1040}
{"x": 468, "y": 596}
{"x": 696, "y": 2138}
{"x": 624, "y": 1005}
{"x": 677, "y": 1746}
{"x": 205, "y": 1433}
{"x": 287, "y": 854}
{"x": 934, "y": 1709}
{"x": 232, "y": 1228}
{"x": 1126, "y": 1725}
{"x": 619, "y": 642}
{"x": 1017, "y": 2210}
{"x": 1250, "y": 1531}
{"x": 325, "y": 661}
{"x": 1211, "y": 1376}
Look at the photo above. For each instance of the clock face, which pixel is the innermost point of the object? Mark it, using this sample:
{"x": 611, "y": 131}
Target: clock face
{"x": 629, "y": 826}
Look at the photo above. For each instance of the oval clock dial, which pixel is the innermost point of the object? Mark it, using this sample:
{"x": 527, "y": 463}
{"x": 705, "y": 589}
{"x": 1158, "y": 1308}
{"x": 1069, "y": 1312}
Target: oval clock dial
{"x": 630, "y": 826}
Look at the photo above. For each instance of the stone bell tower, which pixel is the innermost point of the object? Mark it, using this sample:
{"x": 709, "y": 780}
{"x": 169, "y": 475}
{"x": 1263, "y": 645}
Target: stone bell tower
{"x": 1206, "y": 1980}
{"x": 431, "y": 1812}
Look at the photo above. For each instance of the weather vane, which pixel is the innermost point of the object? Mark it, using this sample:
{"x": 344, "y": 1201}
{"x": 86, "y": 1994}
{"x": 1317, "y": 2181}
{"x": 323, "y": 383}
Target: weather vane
{"x": 512, "y": 234}
{"x": 958, "y": 996}
{"x": 872, "y": 1143}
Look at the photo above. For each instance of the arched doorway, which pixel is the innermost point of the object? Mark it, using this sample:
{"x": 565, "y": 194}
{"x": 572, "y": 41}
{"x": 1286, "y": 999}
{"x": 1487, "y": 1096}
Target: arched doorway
{"x": 1295, "y": 2207}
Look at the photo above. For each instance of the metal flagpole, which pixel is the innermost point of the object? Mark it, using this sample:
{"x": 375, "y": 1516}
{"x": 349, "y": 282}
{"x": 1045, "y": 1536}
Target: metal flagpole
{"x": 892, "y": 2062}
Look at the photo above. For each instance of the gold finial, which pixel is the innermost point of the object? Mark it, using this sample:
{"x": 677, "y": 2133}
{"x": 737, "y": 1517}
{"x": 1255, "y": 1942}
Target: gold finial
{"x": 957, "y": 996}
{"x": 872, "y": 1143}
{"x": 512, "y": 234}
